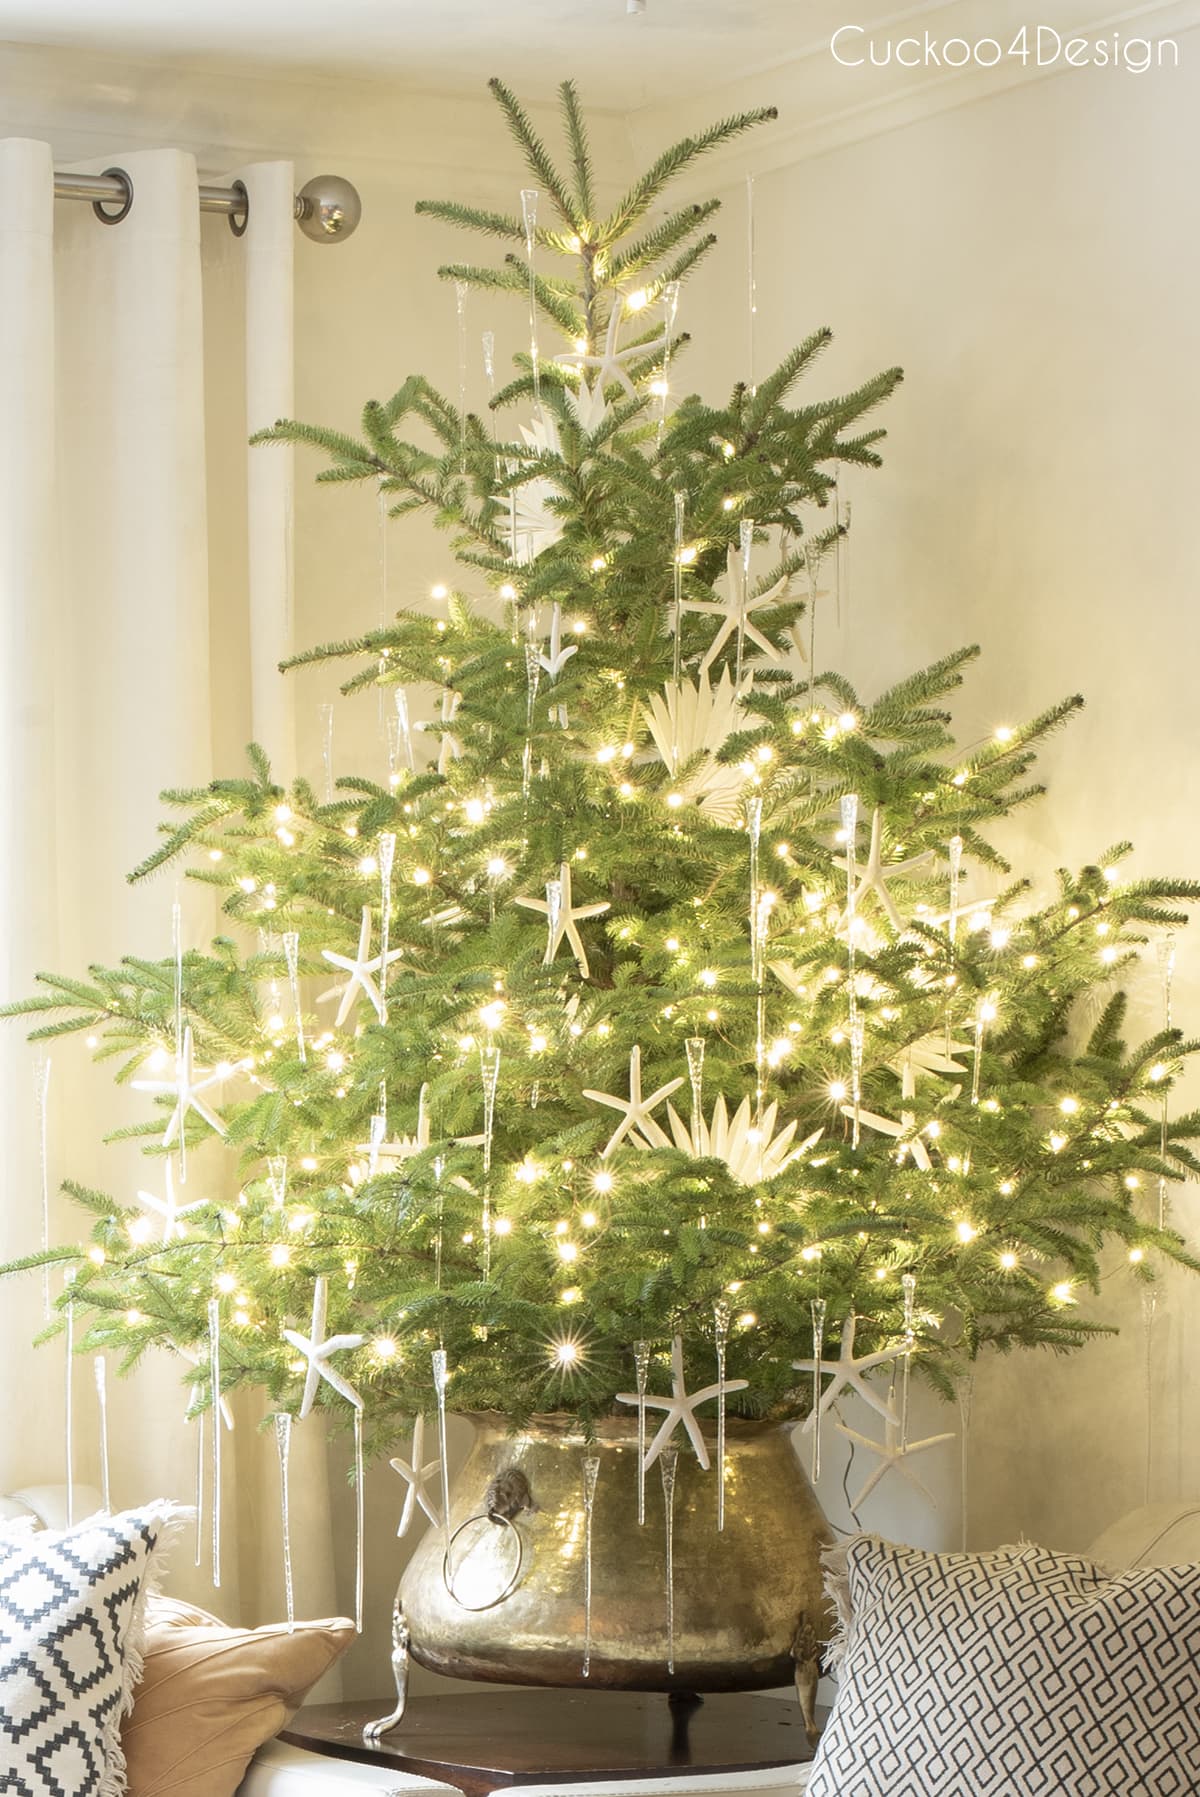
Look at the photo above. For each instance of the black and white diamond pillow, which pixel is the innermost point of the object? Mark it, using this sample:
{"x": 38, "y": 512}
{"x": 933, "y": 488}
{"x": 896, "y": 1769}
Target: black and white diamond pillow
{"x": 71, "y": 1627}
{"x": 1017, "y": 1673}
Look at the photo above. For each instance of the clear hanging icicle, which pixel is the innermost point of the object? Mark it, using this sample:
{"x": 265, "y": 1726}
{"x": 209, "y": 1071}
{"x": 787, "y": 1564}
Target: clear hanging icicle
{"x": 325, "y": 731}
{"x": 277, "y": 1179}
{"x": 460, "y": 307}
{"x": 591, "y": 1476}
{"x": 441, "y": 1379}
{"x": 745, "y": 550}
{"x": 751, "y": 282}
{"x": 985, "y": 1014}
{"x": 177, "y": 958}
{"x": 966, "y": 1403}
{"x": 41, "y": 1090}
{"x": 680, "y": 502}
{"x": 1166, "y": 961}
{"x": 489, "y": 362}
{"x": 375, "y": 1142}
{"x": 817, "y": 1309}
{"x": 214, "y": 1377}
{"x": 670, "y": 305}
{"x": 69, "y": 1407}
{"x": 489, "y": 1070}
{"x": 909, "y": 1282}
{"x": 283, "y": 1445}
{"x": 533, "y": 675}
{"x": 529, "y": 205}
{"x": 439, "y": 1168}
{"x": 359, "y": 1519}
{"x": 956, "y": 855}
{"x": 291, "y": 953}
{"x": 641, "y": 1363}
{"x": 849, "y": 820}
{"x": 1149, "y": 1317}
{"x": 387, "y": 861}
{"x": 404, "y": 722}
{"x": 668, "y": 1463}
{"x": 721, "y": 1317}
{"x": 201, "y": 1468}
{"x": 754, "y": 810}
{"x": 695, "y": 1060}
{"x": 100, "y": 1368}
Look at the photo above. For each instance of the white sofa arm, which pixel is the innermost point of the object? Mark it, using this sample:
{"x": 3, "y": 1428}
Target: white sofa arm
{"x": 278, "y": 1770}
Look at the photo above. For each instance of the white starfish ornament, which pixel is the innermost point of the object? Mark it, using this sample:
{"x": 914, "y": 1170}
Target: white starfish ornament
{"x": 563, "y": 916}
{"x": 849, "y": 1374}
{"x": 681, "y": 1407}
{"x": 637, "y": 1110}
{"x": 316, "y": 1350}
{"x": 361, "y": 967}
{"x": 186, "y": 1088}
{"x": 892, "y": 1456}
{"x": 750, "y": 1152}
{"x": 417, "y": 1472}
{"x": 169, "y": 1208}
{"x": 874, "y": 873}
{"x": 610, "y": 363}
{"x": 698, "y": 720}
{"x": 735, "y": 611}
{"x": 905, "y": 1128}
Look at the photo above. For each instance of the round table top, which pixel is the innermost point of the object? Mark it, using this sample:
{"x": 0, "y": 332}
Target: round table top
{"x": 485, "y": 1740}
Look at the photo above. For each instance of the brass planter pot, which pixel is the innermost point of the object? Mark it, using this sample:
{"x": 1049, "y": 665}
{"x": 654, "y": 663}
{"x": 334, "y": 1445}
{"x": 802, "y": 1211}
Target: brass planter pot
{"x": 749, "y": 1610}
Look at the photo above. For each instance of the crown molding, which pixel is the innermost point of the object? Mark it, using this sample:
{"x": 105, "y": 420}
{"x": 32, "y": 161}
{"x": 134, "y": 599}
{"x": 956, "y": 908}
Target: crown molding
{"x": 824, "y": 107}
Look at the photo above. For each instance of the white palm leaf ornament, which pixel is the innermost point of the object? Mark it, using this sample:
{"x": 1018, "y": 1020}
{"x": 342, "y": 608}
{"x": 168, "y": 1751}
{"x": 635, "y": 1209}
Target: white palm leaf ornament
{"x": 698, "y": 719}
{"x": 751, "y": 1154}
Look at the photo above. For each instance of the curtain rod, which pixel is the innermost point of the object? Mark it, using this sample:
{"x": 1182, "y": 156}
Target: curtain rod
{"x": 327, "y": 208}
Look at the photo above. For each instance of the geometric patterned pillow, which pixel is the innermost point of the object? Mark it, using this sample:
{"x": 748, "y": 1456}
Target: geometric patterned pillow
{"x": 71, "y": 1630}
{"x": 1016, "y": 1673}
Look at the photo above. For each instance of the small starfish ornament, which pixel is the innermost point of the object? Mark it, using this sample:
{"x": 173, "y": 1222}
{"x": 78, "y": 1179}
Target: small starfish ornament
{"x": 360, "y": 967}
{"x": 186, "y": 1088}
{"x": 681, "y": 1407}
{"x": 887, "y": 1126}
{"x": 874, "y": 873}
{"x": 892, "y": 1455}
{"x": 637, "y": 1110}
{"x": 416, "y": 1473}
{"x": 735, "y": 611}
{"x": 557, "y": 658}
{"x": 849, "y": 1374}
{"x": 563, "y": 916}
{"x": 169, "y": 1208}
{"x": 610, "y": 363}
{"x": 316, "y": 1349}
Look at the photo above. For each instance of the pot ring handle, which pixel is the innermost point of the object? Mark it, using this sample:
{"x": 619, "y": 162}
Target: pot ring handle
{"x": 516, "y": 1538}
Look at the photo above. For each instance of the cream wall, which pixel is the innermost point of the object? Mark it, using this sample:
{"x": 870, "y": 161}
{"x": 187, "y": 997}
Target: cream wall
{"x": 1029, "y": 259}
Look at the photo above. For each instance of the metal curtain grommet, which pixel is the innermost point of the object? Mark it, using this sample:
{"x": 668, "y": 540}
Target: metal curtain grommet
{"x": 239, "y": 218}
{"x": 125, "y": 206}
{"x": 496, "y": 1518}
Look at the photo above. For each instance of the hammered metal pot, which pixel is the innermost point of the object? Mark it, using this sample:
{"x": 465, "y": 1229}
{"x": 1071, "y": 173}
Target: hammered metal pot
{"x": 748, "y": 1600}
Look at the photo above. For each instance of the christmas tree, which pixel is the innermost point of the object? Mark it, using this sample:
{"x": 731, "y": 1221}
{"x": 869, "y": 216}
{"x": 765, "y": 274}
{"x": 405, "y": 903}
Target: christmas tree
{"x": 652, "y": 1007}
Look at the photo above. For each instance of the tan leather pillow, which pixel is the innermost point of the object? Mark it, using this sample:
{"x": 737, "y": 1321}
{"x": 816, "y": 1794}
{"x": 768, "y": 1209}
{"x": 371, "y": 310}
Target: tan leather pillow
{"x": 211, "y": 1695}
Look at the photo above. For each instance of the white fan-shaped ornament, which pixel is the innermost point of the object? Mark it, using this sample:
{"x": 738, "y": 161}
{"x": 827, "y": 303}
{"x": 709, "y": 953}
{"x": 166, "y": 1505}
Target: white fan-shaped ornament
{"x": 698, "y": 719}
{"x": 752, "y": 1153}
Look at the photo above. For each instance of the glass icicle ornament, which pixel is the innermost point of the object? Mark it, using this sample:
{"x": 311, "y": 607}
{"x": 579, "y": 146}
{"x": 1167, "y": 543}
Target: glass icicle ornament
{"x": 680, "y": 502}
{"x": 460, "y": 309}
{"x": 1149, "y": 1317}
{"x": 387, "y": 861}
{"x": 670, "y": 305}
{"x": 591, "y": 1475}
{"x": 214, "y": 1385}
{"x": 812, "y": 568}
{"x": 721, "y": 1316}
{"x": 360, "y": 1530}
{"x": 751, "y": 282}
{"x": 745, "y": 550}
{"x": 848, "y": 810}
{"x": 100, "y": 1369}
{"x": 817, "y": 1309}
{"x": 1166, "y": 962}
{"x": 985, "y": 1014}
{"x": 956, "y": 855}
{"x": 41, "y": 1089}
{"x": 641, "y": 1364}
{"x": 201, "y": 1468}
{"x": 291, "y": 954}
{"x": 69, "y": 1407}
{"x": 909, "y": 1283}
{"x": 533, "y": 675}
{"x": 404, "y": 721}
{"x": 277, "y": 1179}
{"x": 489, "y": 1068}
{"x": 966, "y": 1402}
{"x": 283, "y": 1446}
{"x": 668, "y": 1466}
{"x": 441, "y": 1380}
{"x": 325, "y": 730}
{"x": 695, "y": 1060}
{"x": 529, "y": 206}
{"x": 180, "y": 1027}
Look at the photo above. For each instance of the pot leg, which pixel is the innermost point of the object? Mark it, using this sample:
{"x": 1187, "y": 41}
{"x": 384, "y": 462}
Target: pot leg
{"x": 806, "y": 1655}
{"x": 373, "y": 1732}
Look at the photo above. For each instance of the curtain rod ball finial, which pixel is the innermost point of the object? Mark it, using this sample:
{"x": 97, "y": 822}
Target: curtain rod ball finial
{"x": 328, "y": 208}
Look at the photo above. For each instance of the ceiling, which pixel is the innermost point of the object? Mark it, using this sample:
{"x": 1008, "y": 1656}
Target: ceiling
{"x": 446, "y": 45}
